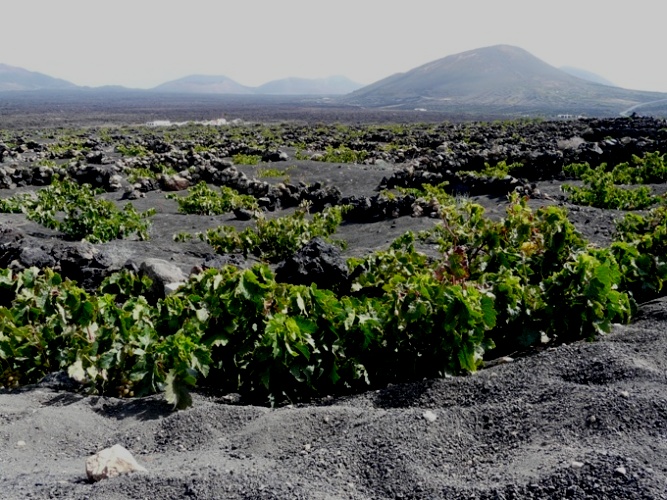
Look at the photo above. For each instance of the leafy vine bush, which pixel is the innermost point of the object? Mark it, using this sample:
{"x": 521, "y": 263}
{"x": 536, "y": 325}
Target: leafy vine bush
{"x": 601, "y": 188}
{"x": 434, "y": 193}
{"x": 579, "y": 170}
{"x": 112, "y": 347}
{"x": 648, "y": 169}
{"x": 67, "y": 148}
{"x": 270, "y": 341}
{"x": 274, "y": 172}
{"x": 275, "y": 239}
{"x": 587, "y": 288}
{"x": 15, "y": 204}
{"x": 203, "y": 200}
{"x": 526, "y": 279}
{"x": 341, "y": 154}
{"x": 499, "y": 170}
{"x": 600, "y": 191}
{"x": 134, "y": 174}
{"x": 641, "y": 250}
{"x": 519, "y": 258}
{"x": 132, "y": 150}
{"x": 244, "y": 159}
{"x": 74, "y": 210}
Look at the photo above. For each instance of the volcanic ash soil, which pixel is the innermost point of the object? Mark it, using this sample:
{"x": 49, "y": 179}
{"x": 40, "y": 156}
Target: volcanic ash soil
{"x": 585, "y": 420}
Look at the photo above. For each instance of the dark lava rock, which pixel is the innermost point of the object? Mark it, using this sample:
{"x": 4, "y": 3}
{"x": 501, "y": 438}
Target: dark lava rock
{"x": 95, "y": 157}
{"x": 173, "y": 183}
{"x": 83, "y": 262}
{"x": 274, "y": 156}
{"x": 243, "y": 213}
{"x": 132, "y": 194}
{"x": 78, "y": 261}
{"x": 98, "y": 176}
{"x": 316, "y": 262}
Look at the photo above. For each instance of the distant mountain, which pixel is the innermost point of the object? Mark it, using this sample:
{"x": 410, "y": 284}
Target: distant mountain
{"x": 587, "y": 75}
{"x": 13, "y": 78}
{"x": 497, "y": 79}
{"x": 333, "y": 85}
{"x": 204, "y": 84}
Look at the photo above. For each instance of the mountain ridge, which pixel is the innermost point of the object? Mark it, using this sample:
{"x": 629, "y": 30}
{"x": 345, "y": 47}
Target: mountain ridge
{"x": 499, "y": 77}
{"x": 203, "y": 84}
{"x": 332, "y": 85}
{"x": 13, "y": 78}
{"x": 587, "y": 75}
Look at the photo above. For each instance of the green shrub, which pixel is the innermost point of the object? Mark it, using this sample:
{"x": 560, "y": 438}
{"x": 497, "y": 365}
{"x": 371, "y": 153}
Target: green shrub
{"x": 74, "y": 210}
{"x": 640, "y": 249}
{"x": 203, "y": 200}
{"x": 132, "y": 150}
{"x": 275, "y": 239}
{"x": 273, "y": 172}
{"x": 524, "y": 280}
{"x": 17, "y": 203}
{"x": 648, "y": 169}
{"x": 499, "y": 170}
{"x": 342, "y": 154}
{"x": 243, "y": 159}
{"x": 601, "y": 192}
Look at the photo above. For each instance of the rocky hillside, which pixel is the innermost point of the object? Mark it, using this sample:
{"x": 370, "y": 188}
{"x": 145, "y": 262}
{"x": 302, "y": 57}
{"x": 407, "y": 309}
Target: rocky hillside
{"x": 587, "y": 75}
{"x": 497, "y": 78}
{"x": 13, "y": 78}
{"x": 204, "y": 84}
{"x": 332, "y": 85}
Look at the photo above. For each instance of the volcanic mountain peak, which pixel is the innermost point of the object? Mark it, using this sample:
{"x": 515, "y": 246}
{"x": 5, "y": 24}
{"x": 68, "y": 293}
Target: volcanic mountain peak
{"x": 204, "y": 84}
{"x": 587, "y": 75}
{"x": 480, "y": 70}
{"x": 500, "y": 77}
{"x": 303, "y": 86}
{"x": 13, "y": 78}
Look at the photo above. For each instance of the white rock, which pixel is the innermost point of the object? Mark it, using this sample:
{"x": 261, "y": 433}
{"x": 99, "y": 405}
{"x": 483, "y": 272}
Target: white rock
{"x": 429, "y": 416}
{"x": 111, "y": 462}
{"x": 162, "y": 273}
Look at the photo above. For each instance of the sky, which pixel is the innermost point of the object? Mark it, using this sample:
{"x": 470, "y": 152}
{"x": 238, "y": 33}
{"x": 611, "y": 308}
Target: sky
{"x": 143, "y": 43}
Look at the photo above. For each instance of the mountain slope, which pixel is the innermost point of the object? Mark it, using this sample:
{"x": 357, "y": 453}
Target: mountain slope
{"x": 204, "y": 84}
{"x": 13, "y": 78}
{"x": 500, "y": 77}
{"x": 587, "y": 75}
{"x": 332, "y": 85}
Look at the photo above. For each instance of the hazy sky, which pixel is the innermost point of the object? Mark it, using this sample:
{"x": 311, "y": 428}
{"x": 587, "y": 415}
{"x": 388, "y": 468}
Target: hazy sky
{"x": 142, "y": 43}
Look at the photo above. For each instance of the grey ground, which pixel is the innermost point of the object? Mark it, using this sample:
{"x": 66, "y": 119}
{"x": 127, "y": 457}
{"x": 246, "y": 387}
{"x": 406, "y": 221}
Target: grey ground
{"x": 587, "y": 420}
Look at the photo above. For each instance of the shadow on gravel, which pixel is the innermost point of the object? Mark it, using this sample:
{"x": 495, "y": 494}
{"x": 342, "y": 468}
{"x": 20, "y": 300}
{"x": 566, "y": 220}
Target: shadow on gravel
{"x": 143, "y": 409}
{"x": 64, "y": 399}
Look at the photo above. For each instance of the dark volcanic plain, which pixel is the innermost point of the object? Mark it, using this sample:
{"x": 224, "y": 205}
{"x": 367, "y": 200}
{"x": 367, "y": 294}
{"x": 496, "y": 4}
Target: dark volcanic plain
{"x": 584, "y": 420}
